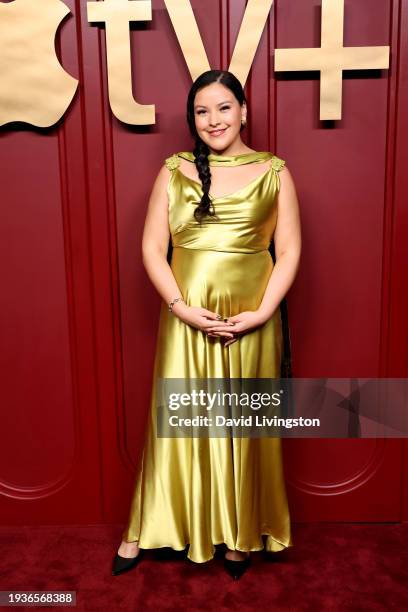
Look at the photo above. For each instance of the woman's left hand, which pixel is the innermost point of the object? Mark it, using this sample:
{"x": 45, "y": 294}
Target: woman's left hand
{"x": 243, "y": 322}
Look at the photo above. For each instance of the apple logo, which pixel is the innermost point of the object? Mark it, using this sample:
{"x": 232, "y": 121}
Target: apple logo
{"x": 34, "y": 87}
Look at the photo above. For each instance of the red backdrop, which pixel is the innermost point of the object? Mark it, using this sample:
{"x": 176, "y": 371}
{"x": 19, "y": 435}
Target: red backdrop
{"x": 79, "y": 315}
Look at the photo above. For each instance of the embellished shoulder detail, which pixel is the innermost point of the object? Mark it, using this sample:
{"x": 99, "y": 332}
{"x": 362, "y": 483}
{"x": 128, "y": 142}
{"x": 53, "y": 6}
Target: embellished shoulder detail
{"x": 172, "y": 162}
{"x": 277, "y": 163}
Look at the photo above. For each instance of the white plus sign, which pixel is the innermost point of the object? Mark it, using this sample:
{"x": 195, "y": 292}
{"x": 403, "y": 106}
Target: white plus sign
{"x": 332, "y": 58}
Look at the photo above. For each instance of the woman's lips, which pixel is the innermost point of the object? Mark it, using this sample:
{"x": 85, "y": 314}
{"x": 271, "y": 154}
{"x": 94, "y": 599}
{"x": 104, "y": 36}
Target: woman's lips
{"x": 218, "y": 132}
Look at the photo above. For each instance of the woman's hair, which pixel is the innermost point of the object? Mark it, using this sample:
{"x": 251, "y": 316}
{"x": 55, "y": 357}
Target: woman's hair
{"x": 201, "y": 150}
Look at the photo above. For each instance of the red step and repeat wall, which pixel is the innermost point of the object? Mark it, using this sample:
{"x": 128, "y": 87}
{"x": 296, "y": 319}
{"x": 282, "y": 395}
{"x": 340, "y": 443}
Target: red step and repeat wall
{"x": 79, "y": 314}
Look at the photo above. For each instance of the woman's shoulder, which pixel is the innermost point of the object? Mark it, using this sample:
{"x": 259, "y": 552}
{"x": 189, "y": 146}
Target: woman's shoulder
{"x": 277, "y": 162}
{"x": 173, "y": 161}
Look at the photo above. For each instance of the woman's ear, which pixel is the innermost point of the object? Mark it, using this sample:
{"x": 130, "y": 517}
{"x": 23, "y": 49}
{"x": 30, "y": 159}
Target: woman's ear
{"x": 244, "y": 112}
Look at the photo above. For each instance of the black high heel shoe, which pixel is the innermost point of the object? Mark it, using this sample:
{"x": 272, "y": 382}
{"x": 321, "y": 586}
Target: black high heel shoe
{"x": 237, "y": 568}
{"x": 124, "y": 564}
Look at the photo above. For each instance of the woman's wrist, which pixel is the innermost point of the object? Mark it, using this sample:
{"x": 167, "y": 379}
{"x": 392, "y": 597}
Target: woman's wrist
{"x": 179, "y": 307}
{"x": 263, "y": 314}
{"x": 175, "y": 301}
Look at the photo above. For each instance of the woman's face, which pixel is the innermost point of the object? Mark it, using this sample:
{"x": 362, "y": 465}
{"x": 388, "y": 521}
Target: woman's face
{"x": 218, "y": 116}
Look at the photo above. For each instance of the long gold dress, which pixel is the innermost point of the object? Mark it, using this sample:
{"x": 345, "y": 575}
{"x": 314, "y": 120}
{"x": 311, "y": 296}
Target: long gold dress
{"x": 207, "y": 491}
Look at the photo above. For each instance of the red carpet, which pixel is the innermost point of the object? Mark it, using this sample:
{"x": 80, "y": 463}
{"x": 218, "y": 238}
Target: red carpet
{"x": 331, "y": 567}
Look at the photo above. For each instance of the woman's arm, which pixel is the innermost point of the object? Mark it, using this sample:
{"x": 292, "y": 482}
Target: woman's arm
{"x": 155, "y": 242}
{"x": 288, "y": 244}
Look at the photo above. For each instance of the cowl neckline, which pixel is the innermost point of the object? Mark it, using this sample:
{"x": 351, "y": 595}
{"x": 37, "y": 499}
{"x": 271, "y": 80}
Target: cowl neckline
{"x": 216, "y": 159}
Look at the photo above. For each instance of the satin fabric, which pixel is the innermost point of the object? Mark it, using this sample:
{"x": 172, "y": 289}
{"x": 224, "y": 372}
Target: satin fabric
{"x": 206, "y": 491}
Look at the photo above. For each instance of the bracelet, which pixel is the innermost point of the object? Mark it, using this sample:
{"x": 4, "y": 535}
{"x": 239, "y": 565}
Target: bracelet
{"x": 179, "y": 299}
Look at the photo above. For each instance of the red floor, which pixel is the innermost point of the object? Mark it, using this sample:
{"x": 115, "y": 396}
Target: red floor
{"x": 331, "y": 567}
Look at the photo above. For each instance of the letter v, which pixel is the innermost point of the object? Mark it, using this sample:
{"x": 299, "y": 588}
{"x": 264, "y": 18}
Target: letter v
{"x": 188, "y": 34}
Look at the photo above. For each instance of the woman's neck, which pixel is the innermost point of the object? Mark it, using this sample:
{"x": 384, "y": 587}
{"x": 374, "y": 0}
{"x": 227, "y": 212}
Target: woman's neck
{"x": 234, "y": 149}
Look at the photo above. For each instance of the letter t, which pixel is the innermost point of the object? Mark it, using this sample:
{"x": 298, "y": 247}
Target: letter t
{"x": 117, "y": 14}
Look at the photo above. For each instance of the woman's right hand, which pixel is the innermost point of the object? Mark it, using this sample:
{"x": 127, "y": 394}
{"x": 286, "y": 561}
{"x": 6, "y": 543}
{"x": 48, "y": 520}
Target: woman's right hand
{"x": 201, "y": 318}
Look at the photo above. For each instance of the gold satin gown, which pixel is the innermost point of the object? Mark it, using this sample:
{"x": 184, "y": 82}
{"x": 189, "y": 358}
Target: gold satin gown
{"x": 206, "y": 491}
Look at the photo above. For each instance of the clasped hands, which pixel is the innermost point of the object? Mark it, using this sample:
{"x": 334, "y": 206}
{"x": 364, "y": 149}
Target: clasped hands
{"x": 215, "y": 326}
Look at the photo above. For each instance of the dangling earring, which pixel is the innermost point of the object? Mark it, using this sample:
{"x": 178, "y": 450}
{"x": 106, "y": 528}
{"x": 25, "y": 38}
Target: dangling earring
{"x": 243, "y": 122}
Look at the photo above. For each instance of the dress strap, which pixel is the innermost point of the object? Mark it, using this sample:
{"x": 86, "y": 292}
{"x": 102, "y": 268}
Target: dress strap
{"x": 277, "y": 163}
{"x": 172, "y": 162}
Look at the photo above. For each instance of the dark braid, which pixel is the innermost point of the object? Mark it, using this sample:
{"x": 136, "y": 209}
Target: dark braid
{"x": 205, "y": 207}
{"x": 201, "y": 151}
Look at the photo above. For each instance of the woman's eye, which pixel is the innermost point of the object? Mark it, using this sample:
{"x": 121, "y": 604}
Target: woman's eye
{"x": 200, "y": 112}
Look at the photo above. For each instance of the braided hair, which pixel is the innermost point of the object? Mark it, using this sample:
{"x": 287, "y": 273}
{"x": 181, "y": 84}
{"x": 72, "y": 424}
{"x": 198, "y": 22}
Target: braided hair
{"x": 201, "y": 149}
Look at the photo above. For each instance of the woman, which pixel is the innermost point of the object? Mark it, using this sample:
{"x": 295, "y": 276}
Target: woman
{"x": 222, "y": 204}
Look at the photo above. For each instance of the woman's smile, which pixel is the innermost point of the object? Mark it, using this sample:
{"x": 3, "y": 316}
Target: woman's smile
{"x": 218, "y": 132}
